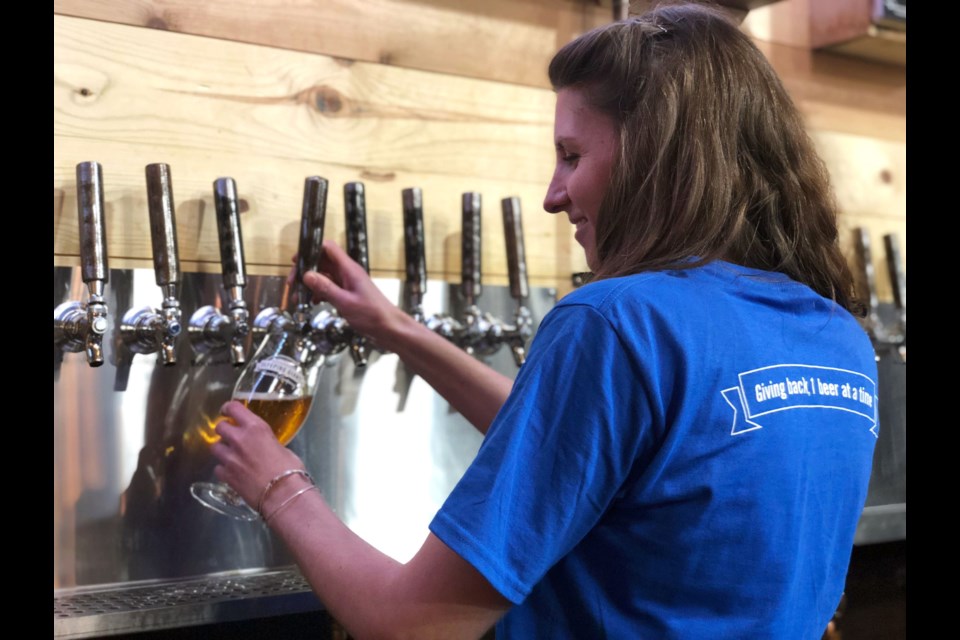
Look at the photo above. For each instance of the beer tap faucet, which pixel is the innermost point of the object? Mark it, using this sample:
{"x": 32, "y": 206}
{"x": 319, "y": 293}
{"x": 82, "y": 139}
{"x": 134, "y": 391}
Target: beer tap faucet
{"x": 327, "y": 337}
{"x": 80, "y": 326}
{"x": 312, "y": 220}
{"x": 415, "y": 284}
{"x": 329, "y": 332}
{"x": 145, "y": 330}
{"x": 516, "y": 336}
{"x": 325, "y": 333}
{"x": 478, "y": 332}
{"x": 209, "y": 327}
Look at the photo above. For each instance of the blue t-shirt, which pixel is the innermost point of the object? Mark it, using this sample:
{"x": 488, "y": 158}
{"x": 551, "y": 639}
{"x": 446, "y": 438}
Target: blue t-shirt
{"x": 685, "y": 454}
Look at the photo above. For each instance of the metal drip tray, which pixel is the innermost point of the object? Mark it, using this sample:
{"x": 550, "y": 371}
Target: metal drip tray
{"x": 143, "y": 606}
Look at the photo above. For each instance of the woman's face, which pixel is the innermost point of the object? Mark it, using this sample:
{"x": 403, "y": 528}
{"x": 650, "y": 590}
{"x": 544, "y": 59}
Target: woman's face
{"x": 587, "y": 142}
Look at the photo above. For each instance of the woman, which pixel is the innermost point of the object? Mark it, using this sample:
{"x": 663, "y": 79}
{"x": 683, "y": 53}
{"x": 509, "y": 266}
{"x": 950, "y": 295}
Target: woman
{"x": 687, "y": 449}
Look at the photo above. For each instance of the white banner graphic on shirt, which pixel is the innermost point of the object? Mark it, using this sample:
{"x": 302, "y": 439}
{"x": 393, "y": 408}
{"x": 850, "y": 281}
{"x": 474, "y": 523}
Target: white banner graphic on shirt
{"x": 788, "y": 387}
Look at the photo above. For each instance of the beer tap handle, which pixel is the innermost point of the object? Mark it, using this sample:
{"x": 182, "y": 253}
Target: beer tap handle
{"x": 898, "y": 282}
{"x": 415, "y": 284}
{"x": 93, "y": 256}
{"x": 231, "y": 239}
{"x": 355, "y": 217}
{"x": 312, "y": 220}
{"x": 471, "y": 272}
{"x": 166, "y": 257}
{"x": 898, "y": 279}
{"x": 93, "y": 237}
{"x": 163, "y": 228}
{"x": 232, "y": 261}
{"x": 516, "y": 254}
{"x": 517, "y": 269}
{"x": 869, "y": 281}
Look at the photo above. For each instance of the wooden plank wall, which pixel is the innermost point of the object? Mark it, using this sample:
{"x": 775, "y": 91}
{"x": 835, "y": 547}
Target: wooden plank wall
{"x": 445, "y": 95}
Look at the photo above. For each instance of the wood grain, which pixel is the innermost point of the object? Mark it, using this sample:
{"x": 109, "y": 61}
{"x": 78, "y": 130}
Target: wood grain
{"x": 843, "y": 94}
{"x": 869, "y": 175}
{"x": 119, "y": 83}
{"x": 508, "y": 41}
{"x": 503, "y": 40}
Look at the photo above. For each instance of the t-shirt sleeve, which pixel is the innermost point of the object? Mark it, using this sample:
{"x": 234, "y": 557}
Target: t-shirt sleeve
{"x": 556, "y": 456}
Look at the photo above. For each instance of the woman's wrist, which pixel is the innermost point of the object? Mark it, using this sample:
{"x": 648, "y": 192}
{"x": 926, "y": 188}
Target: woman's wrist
{"x": 399, "y": 331}
{"x": 280, "y": 477}
{"x": 282, "y": 492}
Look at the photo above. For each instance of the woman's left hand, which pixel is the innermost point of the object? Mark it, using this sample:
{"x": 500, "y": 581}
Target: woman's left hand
{"x": 248, "y": 452}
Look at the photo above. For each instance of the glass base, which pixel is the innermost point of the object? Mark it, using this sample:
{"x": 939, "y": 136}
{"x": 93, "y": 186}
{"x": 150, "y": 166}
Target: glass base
{"x": 223, "y": 500}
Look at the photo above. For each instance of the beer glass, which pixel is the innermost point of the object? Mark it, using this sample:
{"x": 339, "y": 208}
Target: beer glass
{"x": 278, "y": 385}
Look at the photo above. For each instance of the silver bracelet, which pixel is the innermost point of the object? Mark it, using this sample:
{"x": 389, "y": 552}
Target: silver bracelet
{"x": 277, "y": 478}
{"x": 289, "y": 500}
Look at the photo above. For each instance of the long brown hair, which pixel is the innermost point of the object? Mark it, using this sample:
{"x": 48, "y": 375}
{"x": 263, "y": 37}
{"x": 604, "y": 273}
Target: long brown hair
{"x": 715, "y": 161}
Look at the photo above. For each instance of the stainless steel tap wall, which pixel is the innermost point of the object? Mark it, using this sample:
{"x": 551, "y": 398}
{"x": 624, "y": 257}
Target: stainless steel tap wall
{"x": 128, "y": 442}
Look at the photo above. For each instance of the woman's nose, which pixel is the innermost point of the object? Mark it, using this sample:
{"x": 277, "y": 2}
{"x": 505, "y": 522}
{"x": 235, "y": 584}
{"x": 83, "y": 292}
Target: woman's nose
{"x": 556, "y": 199}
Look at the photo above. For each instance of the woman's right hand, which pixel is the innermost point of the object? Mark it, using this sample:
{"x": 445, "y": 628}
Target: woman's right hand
{"x": 344, "y": 284}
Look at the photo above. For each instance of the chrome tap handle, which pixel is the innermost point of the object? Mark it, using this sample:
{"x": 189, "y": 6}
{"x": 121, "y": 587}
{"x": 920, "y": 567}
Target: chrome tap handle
{"x": 898, "y": 282}
{"x": 516, "y": 254}
{"x": 869, "y": 281}
{"x": 232, "y": 263}
{"x": 228, "y": 228}
{"x": 355, "y": 218}
{"x": 898, "y": 279}
{"x": 93, "y": 236}
{"x": 312, "y": 219}
{"x": 470, "y": 269}
{"x": 519, "y": 288}
{"x": 166, "y": 257}
{"x": 163, "y": 228}
{"x": 415, "y": 284}
{"x": 93, "y": 256}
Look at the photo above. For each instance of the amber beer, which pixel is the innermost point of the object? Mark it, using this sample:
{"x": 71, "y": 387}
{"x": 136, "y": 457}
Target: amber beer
{"x": 284, "y": 415}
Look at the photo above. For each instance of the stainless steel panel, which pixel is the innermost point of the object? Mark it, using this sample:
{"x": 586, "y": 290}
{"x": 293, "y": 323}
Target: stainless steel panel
{"x": 384, "y": 448}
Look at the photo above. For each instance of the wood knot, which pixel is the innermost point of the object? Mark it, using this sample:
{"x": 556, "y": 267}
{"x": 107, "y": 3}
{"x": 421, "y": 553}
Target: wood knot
{"x": 327, "y": 100}
{"x": 156, "y": 22}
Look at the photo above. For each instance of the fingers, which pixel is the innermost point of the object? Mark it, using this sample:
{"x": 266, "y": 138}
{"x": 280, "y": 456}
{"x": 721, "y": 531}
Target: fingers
{"x": 235, "y": 410}
{"x": 324, "y": 289}
{"x": 238, "y": 418}
{"x": 333, "y": 251}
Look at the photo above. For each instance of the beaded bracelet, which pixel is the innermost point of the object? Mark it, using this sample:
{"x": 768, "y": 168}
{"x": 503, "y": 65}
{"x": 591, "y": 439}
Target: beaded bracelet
{"x": 289, "y": 500}
{"x": 277, "y": 478}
